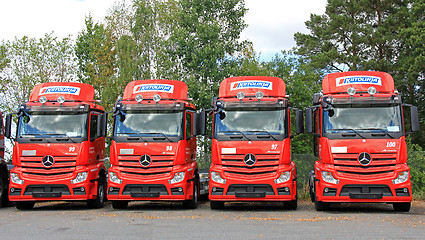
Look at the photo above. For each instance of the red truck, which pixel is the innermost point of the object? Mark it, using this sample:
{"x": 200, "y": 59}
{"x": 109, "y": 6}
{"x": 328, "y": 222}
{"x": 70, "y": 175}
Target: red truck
{"x": 4, "y": 172}
{"x": 251, "y": 143}
{"x": 359, "y": 138}
{"x": 59, "y": 147}
{"x": 153, "y": 149}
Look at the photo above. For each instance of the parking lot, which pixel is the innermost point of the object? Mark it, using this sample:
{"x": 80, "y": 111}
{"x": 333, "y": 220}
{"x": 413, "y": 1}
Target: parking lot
{"x": 159, "y": 220}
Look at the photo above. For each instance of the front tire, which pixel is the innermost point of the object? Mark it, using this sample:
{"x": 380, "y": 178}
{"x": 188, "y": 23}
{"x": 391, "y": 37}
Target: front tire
{"x": 291, "y": 205}
{"x": 4, "y": 199}
{"x": 401, "y": 207}
{"x": 193, "y": 203}
{"x": 24, "y": 205}
{"x": 119, "y": 204}
{"x": 321, "y": 206}
{"x": 100, "y": 197}
{"x": 216, "y": 205}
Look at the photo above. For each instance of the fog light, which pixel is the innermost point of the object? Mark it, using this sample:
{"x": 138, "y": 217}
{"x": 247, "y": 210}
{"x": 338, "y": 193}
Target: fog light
{"x": 61, "y": 99}
{"x": 178, "y": 177}
{"x": 402, "y": 177}
{"x": 82, "y": 189}
{"x": 15, "y": 178}
{"x": 81, "y": 177}
{"x": 111, "y": 189}
{"x": 113, "y": 177}
{"x": 215, "y": 176}
{"x": 138, "y": 98}
{"x": 351, "y": 91}
{"x": 284, "y": 177}
{"x": 286, "y": 189}
{"x": 12, "y": 190}
{"x": 405, "y": 190}
{"x": 259, "y": 95}
{"x": 42, "y": 100}
{"x": 326, "y": 190}
{"x": 240, "y": 95}
{"x": 180, "y": 189}
{"x": 214, "y": 189}
{"x": 156, "y": 98}
{"x": 371, "y": 91}
{"x": 329, "y": 178}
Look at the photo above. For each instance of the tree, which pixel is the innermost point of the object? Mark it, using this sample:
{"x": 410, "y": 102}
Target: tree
{"x": 28, "y": 61}
{"x": 96, "y": 58}
{"x": 354, "y": 35}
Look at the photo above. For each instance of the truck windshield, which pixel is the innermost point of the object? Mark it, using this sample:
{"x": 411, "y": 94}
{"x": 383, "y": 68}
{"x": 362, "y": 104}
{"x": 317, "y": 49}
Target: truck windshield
{"x": 149, "y": 124}
{"x": 260, "y": 123}
{"x": 70, "y": 125}
{"x": 363, "y": 119}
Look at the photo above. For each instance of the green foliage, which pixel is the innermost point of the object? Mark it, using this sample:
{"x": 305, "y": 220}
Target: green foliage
{"x": 28, "y": 61}
{"x": 416, "y": 162}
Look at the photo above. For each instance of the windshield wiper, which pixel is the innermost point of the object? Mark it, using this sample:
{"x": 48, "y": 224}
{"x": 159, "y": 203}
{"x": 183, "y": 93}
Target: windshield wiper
{"x": 347, "y": 129}
{"x": 138, "y": 134}
{"x": 380, "y": 129}
{"x": 60, "y": 134}
{"x": 264, "y": 131}
{"x": 35, "y": 134}
{"x": 237, "y": 132}
{"x": 160, "y": 134}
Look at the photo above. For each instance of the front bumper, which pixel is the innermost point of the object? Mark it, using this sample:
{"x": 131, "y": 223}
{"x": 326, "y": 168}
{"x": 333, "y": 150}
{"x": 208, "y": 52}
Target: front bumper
{"x": 151, "y": 188}
{"x": 54, "y": 189}
{"x": 362, "y": 190}
{"x": 253, "y": 189}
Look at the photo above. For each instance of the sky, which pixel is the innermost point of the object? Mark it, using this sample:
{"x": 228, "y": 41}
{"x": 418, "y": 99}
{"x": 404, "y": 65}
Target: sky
{"x": 271, "y": 23}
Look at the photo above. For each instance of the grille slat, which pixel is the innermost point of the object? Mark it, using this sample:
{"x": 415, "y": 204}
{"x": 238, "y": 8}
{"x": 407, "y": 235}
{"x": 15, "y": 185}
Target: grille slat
{"x": 161, "y": 165}
{"x": 266, "y": 165}
{"x": 382, "y": 165}
{"x": 63, "y": 166}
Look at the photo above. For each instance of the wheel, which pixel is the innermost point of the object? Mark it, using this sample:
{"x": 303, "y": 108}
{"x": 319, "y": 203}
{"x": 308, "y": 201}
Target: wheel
{"x": 401, "y": 207}
{"x": 24, "y": 205}
{"x": 216, "y": 205}
{"x": 4, "y": 199}
{"x": 119, "y": 204}
{"x": 291, "y": 205}
{"x": 100, "y": 198}
{"x": 193, "y": 203}
{"x": 321, "y": 206}
{"x": 311, "y": 186}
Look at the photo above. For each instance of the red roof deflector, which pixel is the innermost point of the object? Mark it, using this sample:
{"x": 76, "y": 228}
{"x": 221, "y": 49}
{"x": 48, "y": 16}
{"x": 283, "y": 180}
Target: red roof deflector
{"x": 249, "y": 85}
{"x": 360, "y": 80}
{"x": 167, "y": 89}
{"x": 69, "y": 90}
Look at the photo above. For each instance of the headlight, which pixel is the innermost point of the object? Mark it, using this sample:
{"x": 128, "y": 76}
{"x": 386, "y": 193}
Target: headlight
{"x": 284, "y": 177}
{"x": 15, "y": 178}
{"x": 215, "y": 176}
{"x": 328, "y": 177}
{"x": 402, "y": 177}
{"x": 81, "y": 177}
{"x": 113, "y": 177}
{"x": 178, "y": 177}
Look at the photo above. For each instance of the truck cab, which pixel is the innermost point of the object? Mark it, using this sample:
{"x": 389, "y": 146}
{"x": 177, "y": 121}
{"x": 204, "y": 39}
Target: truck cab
{"x": 59, "y": 147}
{"x": 153, "y": 150}
{"x": 251, "y": 143}
{"x": 4, "y": 172}
{"x": 359, "y": 136}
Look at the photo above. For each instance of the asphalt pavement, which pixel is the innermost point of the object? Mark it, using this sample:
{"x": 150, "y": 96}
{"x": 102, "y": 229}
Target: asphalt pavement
{"x": 165, "y": 220}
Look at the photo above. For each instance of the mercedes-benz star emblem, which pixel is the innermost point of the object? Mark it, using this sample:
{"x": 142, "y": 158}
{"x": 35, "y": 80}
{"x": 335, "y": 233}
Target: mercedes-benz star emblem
{"x": 249, "y": 159}
{"x": 364, "y": 158}
{"x": 48, "y": 161}
{"x": 145, "y": 160}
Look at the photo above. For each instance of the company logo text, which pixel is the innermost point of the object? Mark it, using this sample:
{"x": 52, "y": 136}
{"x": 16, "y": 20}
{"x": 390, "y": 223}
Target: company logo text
{"x": 251, "y": 84}
{"x": 154, "y": 88}
{"x": 60, "y": 89}
{"x": 358, "y": 80}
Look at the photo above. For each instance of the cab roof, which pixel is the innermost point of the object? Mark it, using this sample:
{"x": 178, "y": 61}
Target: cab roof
{"x": 249, "y": 85}
{"x": 360, "y": 80}
{"x": 167, "y": 89}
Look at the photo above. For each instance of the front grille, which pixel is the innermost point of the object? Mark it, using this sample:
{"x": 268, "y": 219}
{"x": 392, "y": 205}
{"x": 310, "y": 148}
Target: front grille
{"x": 63, "y": 167}
{"x": 161, "y": 166}
{"x": 266, "y": 165}
{"x": 382, "y": 165}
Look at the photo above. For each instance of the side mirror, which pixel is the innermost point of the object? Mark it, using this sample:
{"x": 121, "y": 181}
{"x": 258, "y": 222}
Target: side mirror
{"x": 201, "y": 122}
{"x": 414, "y": 118}
{"x": 101, "y": 124}
{"x": 316, "y": 98}
{"x": 8, "y": 126}
{"x": 300, "y": 121}
{"x": 309, "y": 120}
